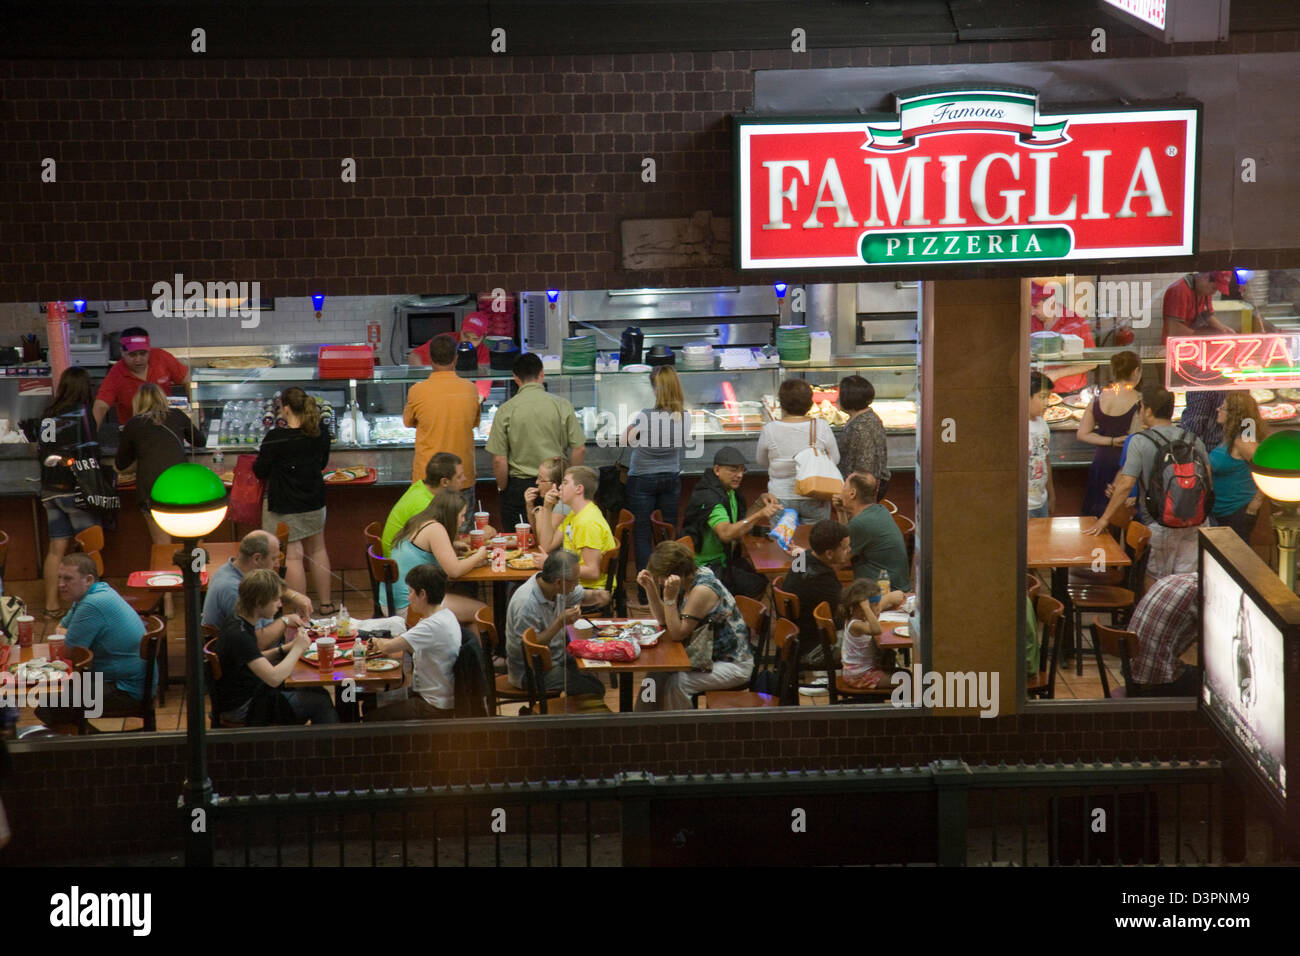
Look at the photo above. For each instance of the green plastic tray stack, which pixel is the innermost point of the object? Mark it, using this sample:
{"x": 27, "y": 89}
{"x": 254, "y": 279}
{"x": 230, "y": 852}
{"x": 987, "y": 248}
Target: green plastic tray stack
{"x": 793, "y": 343}
{"x": 578, "y": 354}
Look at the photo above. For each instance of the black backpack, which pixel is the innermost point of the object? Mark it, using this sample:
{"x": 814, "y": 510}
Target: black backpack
{"x": 1180, "y": 493}
{"x": 469, "y": 676}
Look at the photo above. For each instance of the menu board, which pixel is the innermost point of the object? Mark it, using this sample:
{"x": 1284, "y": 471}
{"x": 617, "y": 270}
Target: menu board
{"x": 1244, "y": 689}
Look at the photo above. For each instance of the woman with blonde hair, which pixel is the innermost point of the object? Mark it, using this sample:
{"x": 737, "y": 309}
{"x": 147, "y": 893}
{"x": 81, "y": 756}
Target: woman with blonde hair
{"x": 654, "y": 476}
{"x": 1237, "y": 499}
{"x": 429, "y": 538}
{"x": 291, "y": 459}
{"x": 153, "y": 440}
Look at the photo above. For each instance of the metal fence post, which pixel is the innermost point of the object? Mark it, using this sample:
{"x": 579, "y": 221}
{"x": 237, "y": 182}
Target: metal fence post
{"x": 952, "y": 782}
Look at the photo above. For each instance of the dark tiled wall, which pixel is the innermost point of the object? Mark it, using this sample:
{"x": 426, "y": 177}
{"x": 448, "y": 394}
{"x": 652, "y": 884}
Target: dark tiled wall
{"x": 90, "y": 798}
{"x": 472, "y": 172}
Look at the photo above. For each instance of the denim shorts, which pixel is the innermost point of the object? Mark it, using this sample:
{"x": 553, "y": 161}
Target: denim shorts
{"x": 65, "y": 518}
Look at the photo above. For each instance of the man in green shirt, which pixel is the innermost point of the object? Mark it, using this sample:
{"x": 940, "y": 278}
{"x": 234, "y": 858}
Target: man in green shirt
{"x": 874, "y": 539}
{"x": 444, "y": 470}
{"x": 528, "y": 429}
{"x": 713, "y": 520}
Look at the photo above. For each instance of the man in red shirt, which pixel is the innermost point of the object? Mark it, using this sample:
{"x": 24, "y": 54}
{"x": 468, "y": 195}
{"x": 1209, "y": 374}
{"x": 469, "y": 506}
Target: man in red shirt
{"x": 472, "y": 330}
{"x": 1188, "y": 309}
{"x": 138, "y": 364}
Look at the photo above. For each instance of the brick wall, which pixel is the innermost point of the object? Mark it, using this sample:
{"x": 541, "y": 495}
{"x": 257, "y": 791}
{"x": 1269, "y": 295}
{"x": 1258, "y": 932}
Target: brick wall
{"x": 472, "y": 172}
{"x": 81, "y": 798}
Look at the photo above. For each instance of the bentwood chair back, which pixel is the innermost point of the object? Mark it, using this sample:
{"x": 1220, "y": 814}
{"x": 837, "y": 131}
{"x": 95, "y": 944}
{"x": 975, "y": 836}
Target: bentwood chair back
{"x": 787, "y": 603}
{"x": 383, "y": 571}
{"x": 212, "y": 673}
{"x": 374, "y": 536}
{"x": 1113, "y": 599}
{"x": 537, "y": 663}
{"x": 660, "y": 529}
{"x": 1033, "y": 586}
{"x": 839, "y": 691}
{"x": 623, "y": 532}
{"x": 282, "y": 535}
{"x": 889, "y": 506}
{"x": 908, "y": 528}
{"x": 1049, "y": 613}
{"x": 501, "y": 690}
{"x": 90, "y": 541}
{"x": 785, "y": 636}
{"x": 1122, "y": 644}
{"x": 151, "y": 645}
{"x": 688, "y": 542}
{"x": 757, "y": 618}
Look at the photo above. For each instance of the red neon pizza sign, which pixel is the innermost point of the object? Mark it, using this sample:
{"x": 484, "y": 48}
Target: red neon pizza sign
{"x": 966, "y": 175}
{"x": 1202, "y": 362}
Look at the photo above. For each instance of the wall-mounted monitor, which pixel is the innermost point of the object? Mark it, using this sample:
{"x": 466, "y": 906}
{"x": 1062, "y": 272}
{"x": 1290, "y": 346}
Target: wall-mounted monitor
{"x": 1250, "y": 625}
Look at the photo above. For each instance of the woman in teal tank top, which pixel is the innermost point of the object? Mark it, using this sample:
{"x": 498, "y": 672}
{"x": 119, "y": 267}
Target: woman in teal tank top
{"x": 1237, "y": 499}
{"x": 429, "y": 538}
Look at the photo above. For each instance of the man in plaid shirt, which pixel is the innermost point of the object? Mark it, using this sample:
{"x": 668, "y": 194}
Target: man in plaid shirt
{"x": 1166, "y": 622}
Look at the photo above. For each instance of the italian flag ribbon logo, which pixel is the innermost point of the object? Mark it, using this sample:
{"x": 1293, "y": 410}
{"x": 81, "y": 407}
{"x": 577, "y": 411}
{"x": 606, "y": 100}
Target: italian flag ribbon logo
{"x": 930, "y": 111}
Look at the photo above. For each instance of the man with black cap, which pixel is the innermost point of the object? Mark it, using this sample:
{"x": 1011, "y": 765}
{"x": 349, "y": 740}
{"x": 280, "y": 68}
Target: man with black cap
{"x": 713, "y": 520}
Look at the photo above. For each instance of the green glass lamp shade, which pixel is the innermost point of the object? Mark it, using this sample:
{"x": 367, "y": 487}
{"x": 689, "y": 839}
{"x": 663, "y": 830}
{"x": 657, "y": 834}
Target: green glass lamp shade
{"x": 188, "y": 500}
{"x": 1276, "y": 467}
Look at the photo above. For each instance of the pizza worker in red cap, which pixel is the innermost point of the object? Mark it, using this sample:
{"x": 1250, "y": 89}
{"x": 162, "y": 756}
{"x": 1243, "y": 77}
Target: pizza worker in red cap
{"x": 1046, "y": 315}
{"x": 139, "y": 364}
{"x": 472, "y": 330}
{"x": 1188, "y": 309}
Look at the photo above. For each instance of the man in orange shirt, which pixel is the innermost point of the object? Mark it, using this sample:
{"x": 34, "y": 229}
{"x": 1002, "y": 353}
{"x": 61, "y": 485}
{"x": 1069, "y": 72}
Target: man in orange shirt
{"x": 444, "y": 411}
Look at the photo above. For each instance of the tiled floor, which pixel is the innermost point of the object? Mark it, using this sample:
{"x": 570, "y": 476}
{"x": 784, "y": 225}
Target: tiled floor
{"x": 171, "y": 714}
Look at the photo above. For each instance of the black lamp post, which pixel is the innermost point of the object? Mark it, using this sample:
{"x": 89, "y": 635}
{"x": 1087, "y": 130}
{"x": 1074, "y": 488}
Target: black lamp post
{"x": 189, "y": 501}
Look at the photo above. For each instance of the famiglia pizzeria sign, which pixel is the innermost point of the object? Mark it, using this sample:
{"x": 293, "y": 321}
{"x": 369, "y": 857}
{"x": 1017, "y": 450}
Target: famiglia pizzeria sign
{"x": 967, "y": 175}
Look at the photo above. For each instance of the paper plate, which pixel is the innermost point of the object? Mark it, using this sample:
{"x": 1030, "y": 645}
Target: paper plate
{"x": 381, "y": 664}
{"x": 902, "y": 631}
{"x": 164, "y": 580}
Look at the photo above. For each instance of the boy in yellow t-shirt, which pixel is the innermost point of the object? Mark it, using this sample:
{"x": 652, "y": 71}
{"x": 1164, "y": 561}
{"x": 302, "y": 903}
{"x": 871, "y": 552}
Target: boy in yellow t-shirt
{"x": 583, "y": 531}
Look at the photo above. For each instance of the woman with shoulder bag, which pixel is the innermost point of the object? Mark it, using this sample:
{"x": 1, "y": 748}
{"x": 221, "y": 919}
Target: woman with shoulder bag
{"x": 779, "y": 443}
{"x": 290, "y": 460}
{"x": 694, "y": 608}
{"x": 64, "y": 425}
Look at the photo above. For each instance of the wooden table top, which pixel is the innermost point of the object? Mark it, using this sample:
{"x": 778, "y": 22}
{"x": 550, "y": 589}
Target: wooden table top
{"x": 306, "y": 674}
{"x": 82, "y": 657}
{"x": 888, "y": 640}
{"x": 771, "y": 560}
{"x": 485, "y": 574}
{"x": 1061, "y": 543}
{"x": 665, "y": 656}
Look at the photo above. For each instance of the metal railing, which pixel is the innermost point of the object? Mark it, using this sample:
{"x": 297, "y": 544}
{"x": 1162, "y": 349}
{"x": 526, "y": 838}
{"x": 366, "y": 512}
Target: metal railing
{"x": 946, "y": 813}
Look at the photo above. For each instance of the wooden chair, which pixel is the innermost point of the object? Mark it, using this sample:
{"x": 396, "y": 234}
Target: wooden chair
{"x": 501, "y": 688}
{"x": 661, "y": 530}
{"x": 889, "y": 506}
{"x": 785, "y": 635}
{"x": 688, "y": 542}
{"x": 787, "y": 604}
{"x": 1033, "y": 586}
{"x": 1049, "y": 613}
{"x": 757, "y": 619}
{"x": 834, "y": 682}
{"x": 90, "y": 541}
{"x": 374, "y": 536}
{"x": 151, "y": 648}
{"x": 282, "y": 535}
{"x": 908, "y": 527}
{"x": 537, "y": 661}
{"x": 1114, "y": 600}
{"x": 212, "y": 672}
{"x": 609, "y": 563}
{"x": 383, "y": 571}
{"x": 623, "y": 532}
{"x": 1124, "y": 645}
